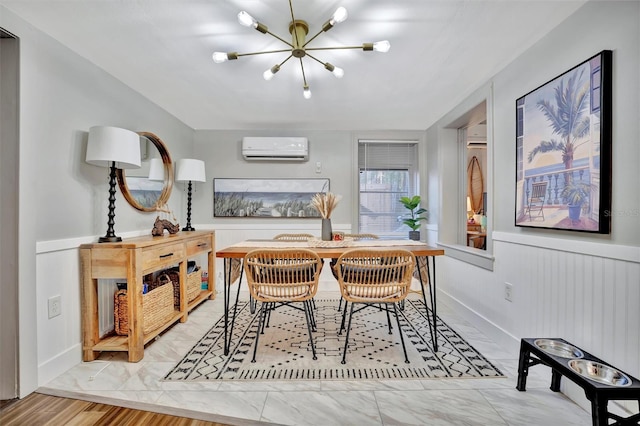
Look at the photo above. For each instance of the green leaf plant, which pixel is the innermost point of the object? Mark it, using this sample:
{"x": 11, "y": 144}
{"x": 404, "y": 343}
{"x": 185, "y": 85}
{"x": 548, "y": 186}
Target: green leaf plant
{"x": 412, "y": 203}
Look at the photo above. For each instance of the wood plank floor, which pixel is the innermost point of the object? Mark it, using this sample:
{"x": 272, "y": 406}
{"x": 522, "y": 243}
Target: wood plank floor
{"x": 38, "y": 410}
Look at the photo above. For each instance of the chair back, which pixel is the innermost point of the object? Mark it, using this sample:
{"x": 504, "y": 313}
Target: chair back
{"x": 375, "y": 275}
{"x": 362, "y": 236}
{"x": 286, "y": 275}
{"x": 293, "y": 237}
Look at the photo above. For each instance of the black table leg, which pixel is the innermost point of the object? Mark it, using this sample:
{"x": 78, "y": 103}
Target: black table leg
{"x": 228, "y": 265}
{"x": 227, "y": 277}
{"x": 431, "y": 273}
{"x": 235, "y": 310}
{"x": 424, "y": 296}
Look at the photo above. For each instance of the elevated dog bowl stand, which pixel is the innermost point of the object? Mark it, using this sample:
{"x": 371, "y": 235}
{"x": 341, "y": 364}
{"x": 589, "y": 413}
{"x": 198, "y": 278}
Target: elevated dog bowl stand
{"x": 598, "y": 393}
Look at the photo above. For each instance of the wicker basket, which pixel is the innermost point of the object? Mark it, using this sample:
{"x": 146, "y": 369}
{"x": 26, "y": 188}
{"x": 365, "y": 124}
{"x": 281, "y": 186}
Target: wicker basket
{"x": 157, "y": 309}
{"x": 194, "y": 282}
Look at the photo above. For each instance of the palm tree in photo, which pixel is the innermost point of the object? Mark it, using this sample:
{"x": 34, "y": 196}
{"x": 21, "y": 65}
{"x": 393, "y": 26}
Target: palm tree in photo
{"x": 567, "y": 116}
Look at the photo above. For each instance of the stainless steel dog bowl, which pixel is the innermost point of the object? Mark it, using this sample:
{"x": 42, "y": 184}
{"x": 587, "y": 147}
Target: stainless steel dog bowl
{"x": 558, "y": 348}
{"x": 599, "y": 372}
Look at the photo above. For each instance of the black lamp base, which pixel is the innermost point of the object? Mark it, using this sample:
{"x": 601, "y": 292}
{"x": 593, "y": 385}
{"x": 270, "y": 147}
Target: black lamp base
{"x": 109, "y": 239}
{"x": 189, "y": 227}
{"x": 111, "y": 236}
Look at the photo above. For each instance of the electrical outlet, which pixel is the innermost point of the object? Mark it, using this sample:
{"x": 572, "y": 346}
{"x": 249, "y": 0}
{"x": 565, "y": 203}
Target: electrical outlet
{"x": 508, "y": 291}
{"x": 55, "y": 306}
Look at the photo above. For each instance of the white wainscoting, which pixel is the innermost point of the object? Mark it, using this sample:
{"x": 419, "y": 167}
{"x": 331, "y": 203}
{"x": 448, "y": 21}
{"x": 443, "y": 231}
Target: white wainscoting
{"x": 586, "y": 293}
{"x": 58, "y": 274}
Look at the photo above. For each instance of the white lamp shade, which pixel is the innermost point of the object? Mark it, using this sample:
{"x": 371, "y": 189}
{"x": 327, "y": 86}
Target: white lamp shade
{"x": 156, "y": 169}
{"x": 108, "y": 144}
{"x": 188, "y": 169}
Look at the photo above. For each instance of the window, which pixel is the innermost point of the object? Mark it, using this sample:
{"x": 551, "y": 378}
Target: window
{"x": 388, "y": 170}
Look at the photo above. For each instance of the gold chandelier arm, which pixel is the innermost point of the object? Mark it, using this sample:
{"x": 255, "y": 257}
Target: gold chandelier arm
{"x": 262, "y": 53}
{"x": 312, "y": 38}
{"x": 293, "y": 19}
{"x": 315, "y": 59}
{"x": 362, "y": 46}
{"x": 304, "y": 77}
{"x": 282, "y": 63}
{"x": 279, "y": 38}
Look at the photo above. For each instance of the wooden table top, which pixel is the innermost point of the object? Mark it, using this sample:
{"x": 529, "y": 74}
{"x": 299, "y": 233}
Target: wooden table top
{"x": 147, "y": 240}
{"x": 239, "y": 250}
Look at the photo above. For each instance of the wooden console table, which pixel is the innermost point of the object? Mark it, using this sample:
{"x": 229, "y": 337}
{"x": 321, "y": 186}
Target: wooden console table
{"x": 132, "y": 259}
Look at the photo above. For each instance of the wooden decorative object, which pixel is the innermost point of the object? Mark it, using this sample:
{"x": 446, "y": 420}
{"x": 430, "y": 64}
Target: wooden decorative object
{"x": 475, "y": 184}
{"x": 161, "y": 224}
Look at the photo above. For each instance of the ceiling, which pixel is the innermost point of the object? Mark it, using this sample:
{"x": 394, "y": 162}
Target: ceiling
{"x": 441, "y": 51}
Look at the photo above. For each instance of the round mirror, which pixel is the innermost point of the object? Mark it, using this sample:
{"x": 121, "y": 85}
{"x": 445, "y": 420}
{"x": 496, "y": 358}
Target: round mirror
{"x": 143, "y": 191}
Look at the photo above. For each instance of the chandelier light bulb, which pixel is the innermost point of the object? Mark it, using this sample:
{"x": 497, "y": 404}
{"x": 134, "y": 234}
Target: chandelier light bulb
{"x": 382, "y": 46}
{"x": 307, "y": 92}
{"x": 219, "y": 57}
{"x": 268, "y": 74}
{"x": 340, "y": 15}
{"x": 247, "y": 20}
{"x": 337, "y": 71}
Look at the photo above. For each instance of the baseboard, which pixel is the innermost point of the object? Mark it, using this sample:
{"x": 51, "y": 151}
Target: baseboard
{"x": 491, "y": 330}
{"x": 512, "y": 344}
{"x": 62, "y": 362}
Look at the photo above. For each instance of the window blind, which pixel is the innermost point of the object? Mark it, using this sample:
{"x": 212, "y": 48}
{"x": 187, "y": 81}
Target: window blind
{"x": 387, "y": 156}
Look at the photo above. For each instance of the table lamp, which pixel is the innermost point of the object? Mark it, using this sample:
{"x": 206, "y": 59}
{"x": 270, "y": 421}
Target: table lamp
{"x": 156, "y": 169}
{"x": 189, "y": 170}
{"x": 117, "y": 149}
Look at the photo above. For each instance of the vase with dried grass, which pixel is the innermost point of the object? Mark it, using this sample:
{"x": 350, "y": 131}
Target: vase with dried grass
{"x": 325, "y": 203}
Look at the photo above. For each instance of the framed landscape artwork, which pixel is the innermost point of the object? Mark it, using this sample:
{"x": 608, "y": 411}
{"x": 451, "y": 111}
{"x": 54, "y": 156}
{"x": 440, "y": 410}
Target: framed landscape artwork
{"x": 563, "y": 150}
{"x": 266, "y": 198}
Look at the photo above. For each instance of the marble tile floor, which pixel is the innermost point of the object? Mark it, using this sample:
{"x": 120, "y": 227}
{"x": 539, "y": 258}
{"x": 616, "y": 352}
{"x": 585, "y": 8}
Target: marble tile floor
{"x": 111, "y": 379}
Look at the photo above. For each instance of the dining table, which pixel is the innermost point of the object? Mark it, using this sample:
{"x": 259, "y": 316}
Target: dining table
{"x": 424, "y": 272}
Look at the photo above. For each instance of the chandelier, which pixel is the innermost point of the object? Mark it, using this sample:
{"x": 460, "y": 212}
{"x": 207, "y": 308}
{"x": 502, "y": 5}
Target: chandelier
{"x": 297, "y": 48}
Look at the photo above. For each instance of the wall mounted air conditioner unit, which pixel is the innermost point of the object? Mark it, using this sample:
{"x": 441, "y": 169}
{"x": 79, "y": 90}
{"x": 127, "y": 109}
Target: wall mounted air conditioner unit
{"x": 275, "y": 148}
{"x": 477, "y": 144}
{"x": 477, "y": 136}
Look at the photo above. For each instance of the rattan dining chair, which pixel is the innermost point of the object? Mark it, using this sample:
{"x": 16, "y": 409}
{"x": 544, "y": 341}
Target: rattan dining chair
{"x": 281, "y": 277}
{"x": 362, "y": 236}
{"x": 374, "y": 276}
{"x": 293, "y": 237}
{"x": 355, "y": 237}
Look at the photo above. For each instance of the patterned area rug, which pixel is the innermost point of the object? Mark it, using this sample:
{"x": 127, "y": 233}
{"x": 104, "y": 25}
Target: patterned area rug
{"x": 284, "y": 352}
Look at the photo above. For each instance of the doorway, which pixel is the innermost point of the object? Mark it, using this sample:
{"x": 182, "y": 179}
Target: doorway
{"x": 9, "y": 174}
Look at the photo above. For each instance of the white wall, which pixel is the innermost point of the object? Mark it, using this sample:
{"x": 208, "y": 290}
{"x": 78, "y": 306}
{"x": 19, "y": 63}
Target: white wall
{"x": 221, "y": 151}
{"x": 581, "y": 287}
{"x": 62, "y": 198}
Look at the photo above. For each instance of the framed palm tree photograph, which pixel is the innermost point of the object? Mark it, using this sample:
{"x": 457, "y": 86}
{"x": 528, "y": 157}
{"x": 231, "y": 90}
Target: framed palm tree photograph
{"x": 563, "y": 150}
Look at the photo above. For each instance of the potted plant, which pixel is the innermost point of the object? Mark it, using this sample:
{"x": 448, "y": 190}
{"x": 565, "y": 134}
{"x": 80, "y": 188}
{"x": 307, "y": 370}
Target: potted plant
{"x": 575, "y": 195}
{"x": 412, "y": 203}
